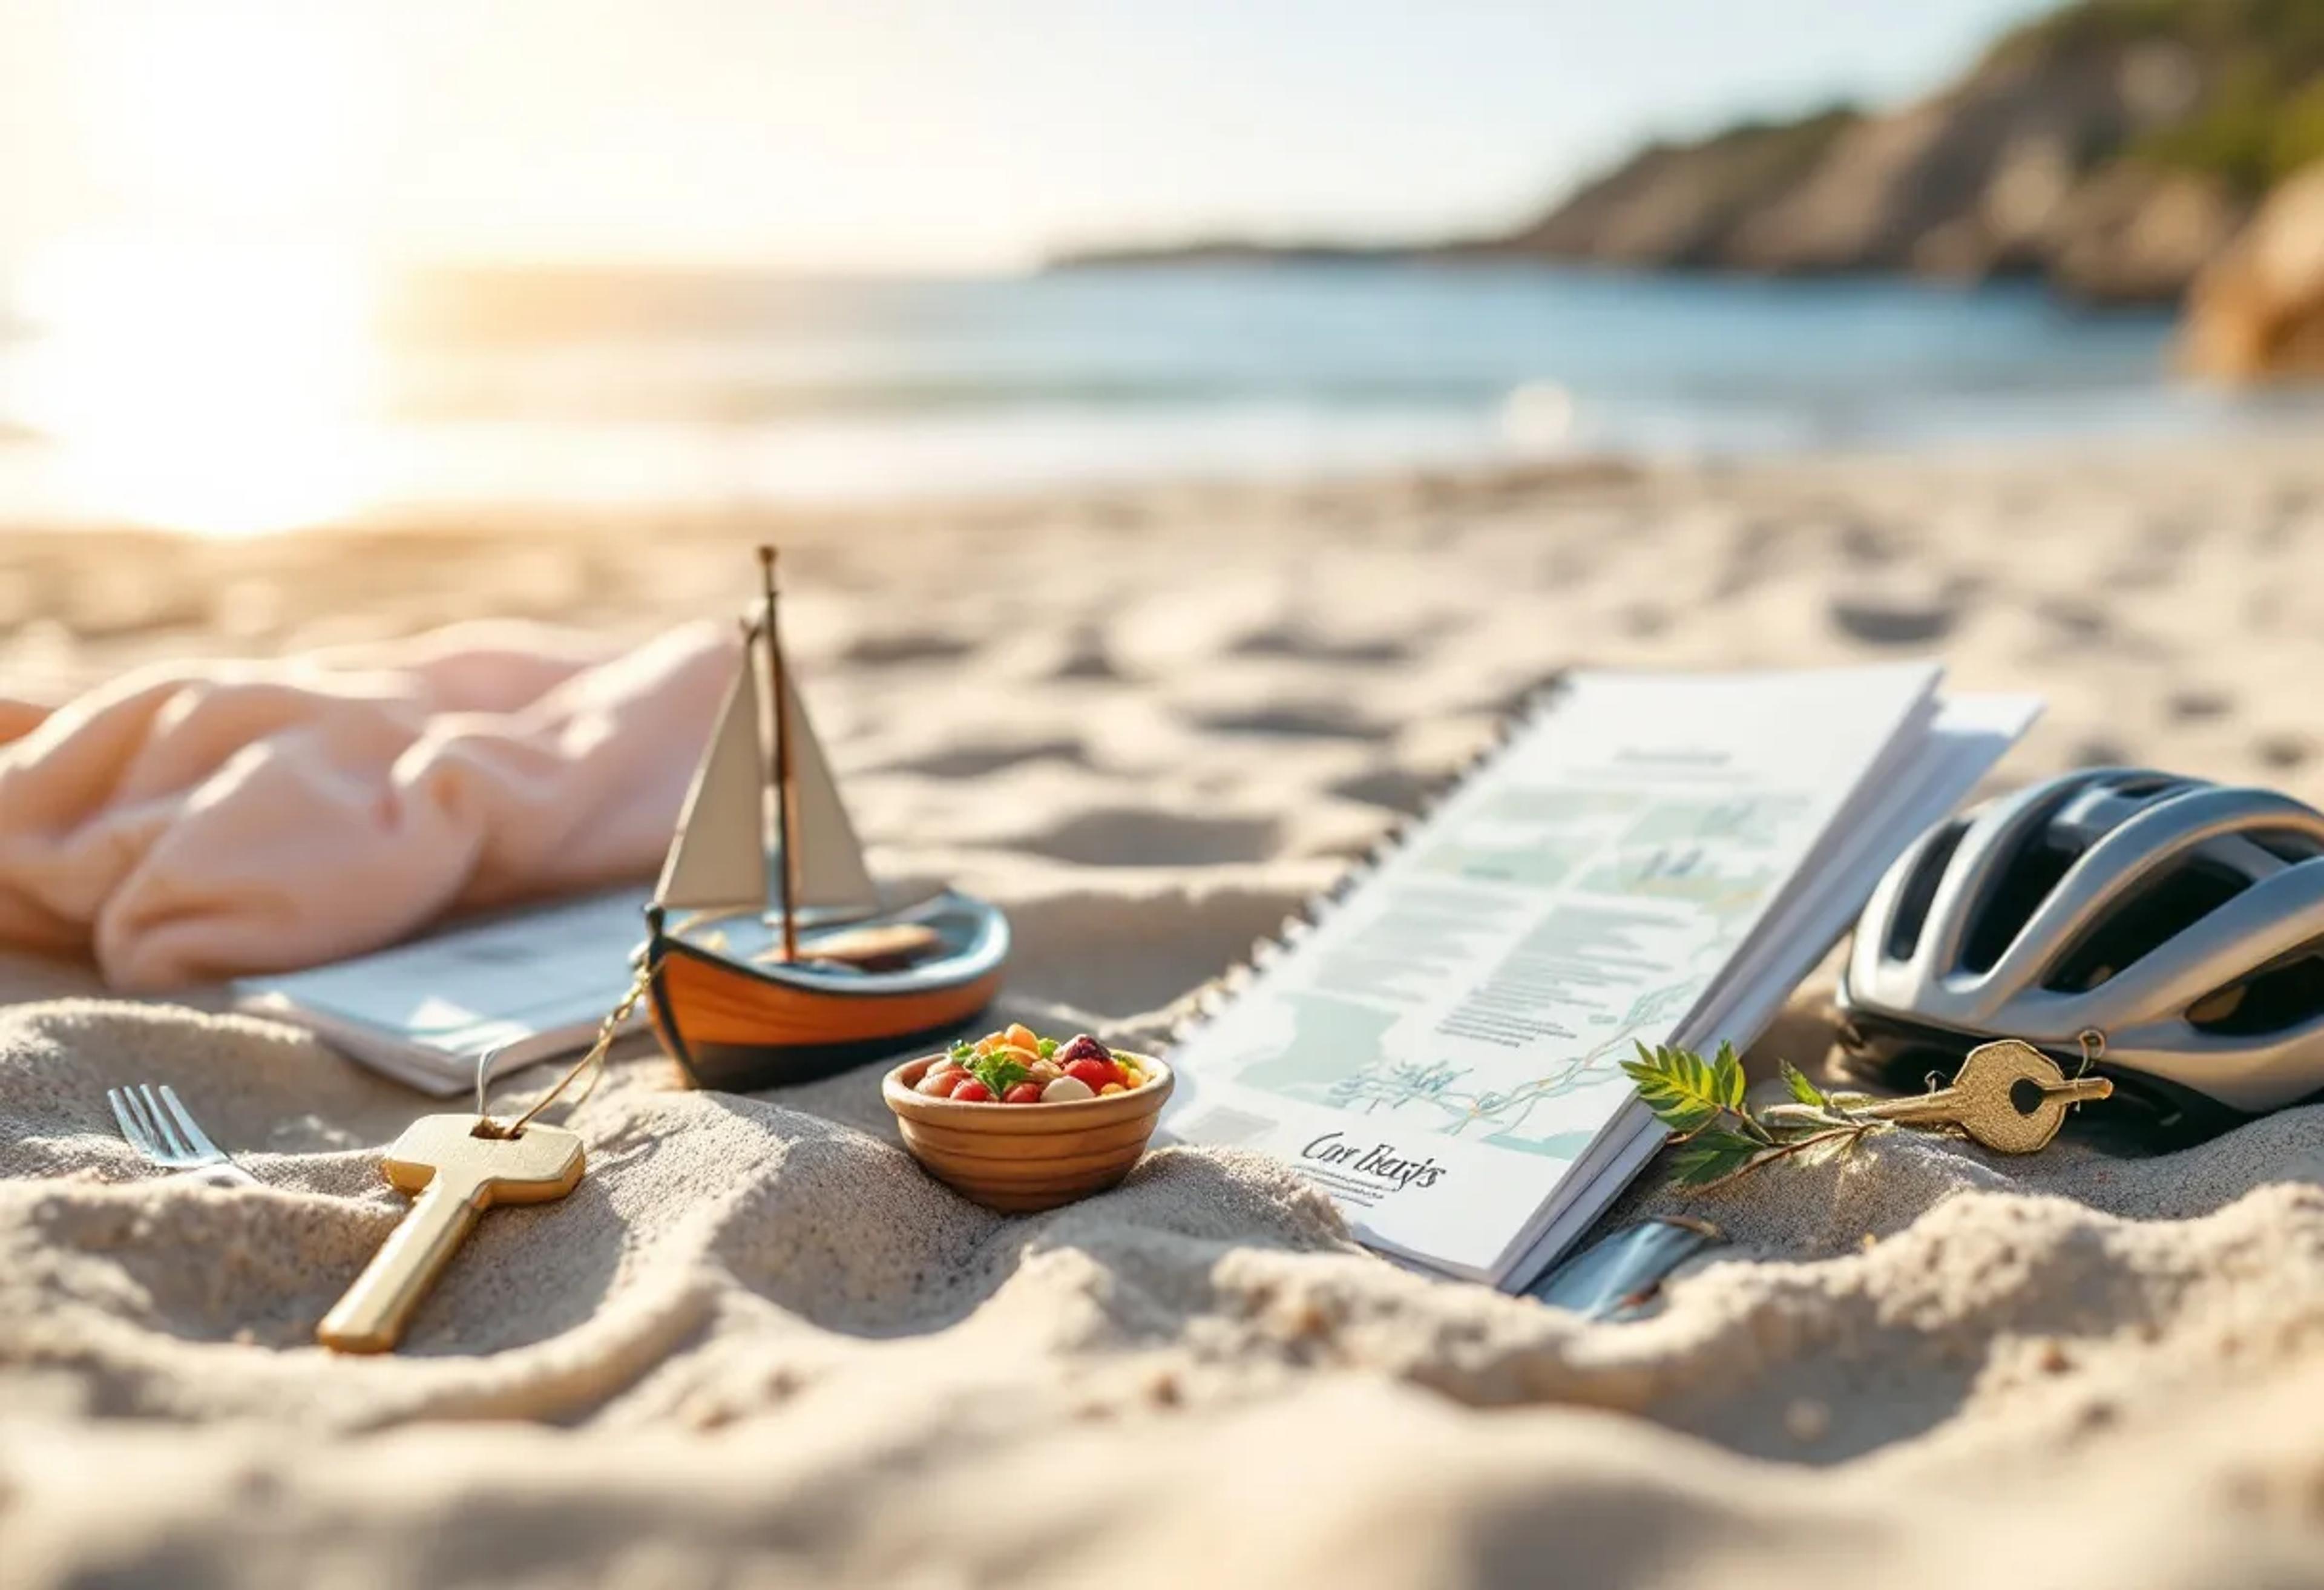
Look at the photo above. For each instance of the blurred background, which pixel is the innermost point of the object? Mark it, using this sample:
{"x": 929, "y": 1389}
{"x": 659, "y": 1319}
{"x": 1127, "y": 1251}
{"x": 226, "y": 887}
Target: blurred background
{"x": 269, "y": 265}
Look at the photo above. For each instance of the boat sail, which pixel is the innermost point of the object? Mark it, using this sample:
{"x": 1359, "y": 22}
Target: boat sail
{"x": 771, "y": 955}
{"x": 729, "y": 853}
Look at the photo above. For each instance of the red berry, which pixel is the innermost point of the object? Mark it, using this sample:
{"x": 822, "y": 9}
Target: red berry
{"x": 971, "y": 1092}
{"x": 1082, "y": 1047}
{"x": 1023, "y": 1093}
{"x": 1095, "y": 1073}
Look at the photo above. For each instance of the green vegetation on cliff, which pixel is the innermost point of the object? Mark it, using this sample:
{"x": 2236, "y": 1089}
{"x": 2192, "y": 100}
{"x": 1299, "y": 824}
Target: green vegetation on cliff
{"x": 2255, "y": 68}
{"x": 2113, "y": 146}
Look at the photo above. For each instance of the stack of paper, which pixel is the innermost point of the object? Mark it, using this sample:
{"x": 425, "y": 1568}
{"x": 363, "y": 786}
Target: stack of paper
{"x": 522, "y": 987}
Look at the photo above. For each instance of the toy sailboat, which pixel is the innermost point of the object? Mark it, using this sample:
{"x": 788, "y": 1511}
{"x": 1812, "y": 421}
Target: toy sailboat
{"x": 773, "y": 957}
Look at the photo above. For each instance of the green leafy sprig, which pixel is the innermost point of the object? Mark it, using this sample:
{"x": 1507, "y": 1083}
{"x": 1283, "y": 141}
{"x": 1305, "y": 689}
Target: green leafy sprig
{"x": 998, "y": 1071}
{"x": 1717, "y": 1136}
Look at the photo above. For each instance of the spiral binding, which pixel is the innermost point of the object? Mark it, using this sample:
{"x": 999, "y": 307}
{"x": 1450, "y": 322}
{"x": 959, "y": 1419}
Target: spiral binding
{"x": 1268, "y": 949}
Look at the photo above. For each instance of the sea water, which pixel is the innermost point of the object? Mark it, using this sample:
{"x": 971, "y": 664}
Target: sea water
{"x": 592, "y": 388}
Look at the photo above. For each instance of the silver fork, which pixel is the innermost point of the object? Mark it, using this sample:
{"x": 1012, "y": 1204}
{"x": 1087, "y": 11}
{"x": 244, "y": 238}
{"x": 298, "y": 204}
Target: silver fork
{"x": 164, "y": 1130}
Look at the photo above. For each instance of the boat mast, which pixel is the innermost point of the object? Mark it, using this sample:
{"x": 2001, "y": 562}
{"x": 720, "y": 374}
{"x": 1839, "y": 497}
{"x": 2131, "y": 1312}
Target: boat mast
{"x": 786, "y": 789}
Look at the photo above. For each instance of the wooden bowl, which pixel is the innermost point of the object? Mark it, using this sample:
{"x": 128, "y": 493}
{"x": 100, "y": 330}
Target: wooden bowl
{"x": 1021, "y": 1158}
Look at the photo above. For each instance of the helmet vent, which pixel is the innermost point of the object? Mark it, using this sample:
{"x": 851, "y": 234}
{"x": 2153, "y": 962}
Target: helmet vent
{"x": 1912, "y": 912}
{"x": 2289, "y": 993}
{"x": 2288, "y": 845}
{"x": 2153, "y": 915}
{"x": 2023, "y": 887}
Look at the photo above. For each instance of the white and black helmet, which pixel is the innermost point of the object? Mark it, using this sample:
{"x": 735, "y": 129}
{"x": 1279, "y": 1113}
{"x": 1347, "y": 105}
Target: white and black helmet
{"x": 2180, "y": 921}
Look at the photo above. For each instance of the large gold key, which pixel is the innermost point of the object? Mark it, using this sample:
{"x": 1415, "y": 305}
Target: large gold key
{"x": 2008, "y": 1095}
{"x": 455, "y": 1175}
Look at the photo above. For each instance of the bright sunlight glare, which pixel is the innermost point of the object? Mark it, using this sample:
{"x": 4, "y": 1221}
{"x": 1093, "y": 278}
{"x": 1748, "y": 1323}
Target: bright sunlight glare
{"x": 223, "y": 389}
{"x": 200, "y": 353}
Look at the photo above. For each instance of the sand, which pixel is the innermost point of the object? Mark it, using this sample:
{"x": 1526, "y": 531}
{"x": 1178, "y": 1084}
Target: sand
{"x": 758, "y": 1347}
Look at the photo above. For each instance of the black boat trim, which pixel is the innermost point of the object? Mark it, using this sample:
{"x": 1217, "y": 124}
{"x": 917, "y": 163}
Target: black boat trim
{"x": 752, "y": 1067}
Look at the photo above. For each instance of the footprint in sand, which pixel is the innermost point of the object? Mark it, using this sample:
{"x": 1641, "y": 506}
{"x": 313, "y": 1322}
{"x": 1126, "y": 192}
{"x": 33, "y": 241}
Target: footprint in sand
{"x": 976, "y": 761}
{"x": 1130, "y": 838}
{"x": 1086, "y": 657}
{"x": 1894, "y": 619}
{"x": 1397, "y": 789}
{"x": 896, "y": 650}
{"x": 2077, "y": 621}
{"x": 2281, "y": 753}
{"x": 1309, "y": 720}
{"x": 2198, "y": 705}
{"x": 1866, "y": 545}
{"x": 1306, "y": 646}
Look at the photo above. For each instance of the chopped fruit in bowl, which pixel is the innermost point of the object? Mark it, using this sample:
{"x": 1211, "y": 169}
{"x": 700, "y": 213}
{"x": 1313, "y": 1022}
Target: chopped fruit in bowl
{"x": 962, "y": 1116}
{"x": 1014, "y": 1066}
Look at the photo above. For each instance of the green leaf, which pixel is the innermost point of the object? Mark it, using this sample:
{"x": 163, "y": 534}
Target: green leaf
{"x": 1710, "y": 1156}
{"x": 998, "y": 1072}
{"x": 1679, "y": 1087}
{"x": 1726, "y": 1076}
{"x": 1048, "y": 1047}
{"x": 1806, "y": 1092}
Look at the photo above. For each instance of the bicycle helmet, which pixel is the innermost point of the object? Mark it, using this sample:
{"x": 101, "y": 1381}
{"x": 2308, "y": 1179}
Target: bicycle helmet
{"x": 2179, "y": 921}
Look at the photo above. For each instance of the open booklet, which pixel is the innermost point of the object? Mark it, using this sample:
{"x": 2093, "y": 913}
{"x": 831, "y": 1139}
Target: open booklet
{"x": 522, "y": 986}
{"x": 1650, "y": 858}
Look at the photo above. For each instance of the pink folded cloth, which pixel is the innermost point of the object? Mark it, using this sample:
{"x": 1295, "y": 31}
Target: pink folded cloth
{"x": 193, "y": 822}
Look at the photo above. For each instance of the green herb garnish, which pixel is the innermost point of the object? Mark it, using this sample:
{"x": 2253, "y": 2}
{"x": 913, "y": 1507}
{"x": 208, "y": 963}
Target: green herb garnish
{"x": 997, "y": 1072}
{"x": 1716, "y": 1136}
{"x": 1048, "y": 1047}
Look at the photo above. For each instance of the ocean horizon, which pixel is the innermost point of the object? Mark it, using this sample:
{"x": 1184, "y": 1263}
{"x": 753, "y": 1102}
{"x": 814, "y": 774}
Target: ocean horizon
{"x": 595, "y": 389}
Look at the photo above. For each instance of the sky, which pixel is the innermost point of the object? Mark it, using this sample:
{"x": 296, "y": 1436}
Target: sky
{"x": 891, "y": 135}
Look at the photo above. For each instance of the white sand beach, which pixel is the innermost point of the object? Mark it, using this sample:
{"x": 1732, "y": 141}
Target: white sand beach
{"x": 758, "y": 1346}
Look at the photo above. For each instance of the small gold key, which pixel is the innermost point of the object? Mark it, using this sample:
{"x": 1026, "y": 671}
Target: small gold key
{"x": 455, "y": 1176}
{"x": 2008, "y": 1095}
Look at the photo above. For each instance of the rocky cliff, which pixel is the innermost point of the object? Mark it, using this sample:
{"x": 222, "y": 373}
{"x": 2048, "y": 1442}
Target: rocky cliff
{"x": 2116, "y": 147}
{"x": 2259, "y": 308}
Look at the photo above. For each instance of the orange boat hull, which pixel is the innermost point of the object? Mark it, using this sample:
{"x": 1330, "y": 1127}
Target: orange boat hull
{"x": 739, "y": 1030}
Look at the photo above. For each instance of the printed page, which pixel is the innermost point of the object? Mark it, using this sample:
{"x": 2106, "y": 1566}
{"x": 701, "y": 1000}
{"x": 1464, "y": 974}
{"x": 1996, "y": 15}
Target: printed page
{"x": 1970, "y": 734}
{"x": 476, "y": 986}
{"x": 1444, "y": 1046}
